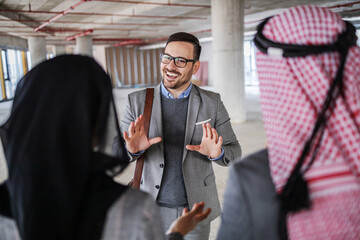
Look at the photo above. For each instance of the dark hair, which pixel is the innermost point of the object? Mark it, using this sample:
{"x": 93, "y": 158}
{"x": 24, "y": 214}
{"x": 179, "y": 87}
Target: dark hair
{"x": 186, "y": 37}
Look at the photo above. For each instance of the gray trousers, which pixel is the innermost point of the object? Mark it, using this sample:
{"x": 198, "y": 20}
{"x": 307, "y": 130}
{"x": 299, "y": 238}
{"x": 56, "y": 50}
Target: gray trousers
{"x": 168, "y": 215}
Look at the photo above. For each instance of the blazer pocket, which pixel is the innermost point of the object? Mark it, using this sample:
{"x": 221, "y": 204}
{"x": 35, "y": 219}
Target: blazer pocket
{"x": 209, "y": 179}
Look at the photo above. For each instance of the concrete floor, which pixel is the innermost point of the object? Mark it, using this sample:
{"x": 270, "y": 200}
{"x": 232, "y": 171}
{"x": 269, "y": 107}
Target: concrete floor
{"x": 250, "y": 135}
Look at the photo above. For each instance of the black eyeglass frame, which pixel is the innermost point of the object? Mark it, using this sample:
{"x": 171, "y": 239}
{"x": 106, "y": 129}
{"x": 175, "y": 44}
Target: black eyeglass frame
{"x": 174, "y": 58}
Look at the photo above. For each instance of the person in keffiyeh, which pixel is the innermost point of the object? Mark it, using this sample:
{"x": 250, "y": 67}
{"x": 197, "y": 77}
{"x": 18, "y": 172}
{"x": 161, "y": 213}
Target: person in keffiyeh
{"x": 292, "y": 94}
{"x": 294, "y": 88}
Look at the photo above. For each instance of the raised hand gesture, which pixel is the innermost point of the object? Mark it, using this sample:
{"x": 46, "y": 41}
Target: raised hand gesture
{"x": 137, "y": 139}
{"x": 188, "y": 220}
{"x": 210, "y": 143}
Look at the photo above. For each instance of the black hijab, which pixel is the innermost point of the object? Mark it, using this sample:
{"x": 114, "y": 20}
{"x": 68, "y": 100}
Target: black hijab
{"x": 57, "y": 185}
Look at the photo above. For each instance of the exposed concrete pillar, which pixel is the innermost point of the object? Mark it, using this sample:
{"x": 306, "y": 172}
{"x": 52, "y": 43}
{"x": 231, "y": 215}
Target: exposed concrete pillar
{"x": 227, "y": 20}
{"x": 37, "y": 48}
{"x": 59, "y": 50}
{"x": 84, "y": 45}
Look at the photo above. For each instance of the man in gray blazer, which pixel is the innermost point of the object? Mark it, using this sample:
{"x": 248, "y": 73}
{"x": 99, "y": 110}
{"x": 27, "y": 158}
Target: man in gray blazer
{"x": 182, "y": 144}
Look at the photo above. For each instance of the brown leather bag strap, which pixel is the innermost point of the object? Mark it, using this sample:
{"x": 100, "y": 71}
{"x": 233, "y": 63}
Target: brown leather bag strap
{"x": 147, "y": 115}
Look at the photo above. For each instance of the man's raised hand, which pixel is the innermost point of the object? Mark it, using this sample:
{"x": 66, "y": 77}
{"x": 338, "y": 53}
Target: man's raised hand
{"x": 210, "y": 144}
{"x": 136, "y": 138}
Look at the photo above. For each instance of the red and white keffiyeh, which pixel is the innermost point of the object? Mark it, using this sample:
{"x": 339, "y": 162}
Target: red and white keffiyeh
{"x": 292, "y": 93}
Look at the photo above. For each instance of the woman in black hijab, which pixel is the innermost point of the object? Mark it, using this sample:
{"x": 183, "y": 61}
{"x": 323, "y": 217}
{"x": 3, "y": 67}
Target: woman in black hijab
{"x": 57, "y": 145}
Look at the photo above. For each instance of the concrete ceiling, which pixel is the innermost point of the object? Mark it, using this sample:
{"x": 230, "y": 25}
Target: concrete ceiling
{"x": 141, "y": 22}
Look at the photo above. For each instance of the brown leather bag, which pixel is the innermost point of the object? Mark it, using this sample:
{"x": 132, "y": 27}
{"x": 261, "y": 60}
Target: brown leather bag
{"x": 135, "y": 182}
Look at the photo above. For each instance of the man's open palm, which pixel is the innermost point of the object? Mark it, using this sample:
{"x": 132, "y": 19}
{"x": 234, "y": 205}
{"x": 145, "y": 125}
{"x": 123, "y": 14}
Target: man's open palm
{"x": 137, "y": 140}
{"x": 210, "y": 143}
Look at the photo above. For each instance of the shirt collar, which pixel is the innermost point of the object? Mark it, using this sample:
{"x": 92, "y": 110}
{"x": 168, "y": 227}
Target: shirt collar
{"x": 167, "y": 94}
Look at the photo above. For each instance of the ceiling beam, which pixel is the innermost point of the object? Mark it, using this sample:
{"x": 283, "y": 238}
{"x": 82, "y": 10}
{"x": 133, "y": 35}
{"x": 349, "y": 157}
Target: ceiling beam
{"x": 154, "y": 3}
{"x": 104, "y": 14}
{"x": 94, "y": 23}
{"x": 15, "y": 15}
{"x": 59, "y": 15}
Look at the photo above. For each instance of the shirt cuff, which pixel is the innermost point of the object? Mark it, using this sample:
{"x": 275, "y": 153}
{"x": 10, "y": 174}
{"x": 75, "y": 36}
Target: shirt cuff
{"x": 174, "y": 236}
{"x": 220, "y": 157}
{"x": 137, "y": 154}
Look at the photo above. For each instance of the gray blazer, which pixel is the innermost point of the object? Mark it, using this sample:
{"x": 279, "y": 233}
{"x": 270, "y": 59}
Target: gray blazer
{"x": 251, "y": 206}
{"x": 198, "y": 171}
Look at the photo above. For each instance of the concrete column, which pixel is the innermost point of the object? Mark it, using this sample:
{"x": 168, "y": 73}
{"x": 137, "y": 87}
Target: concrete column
{"x": 227, "y": 20}
{"x": 84, "y": 45}
{"x": 37, "y": 48}
{"x": 59, "y": 50}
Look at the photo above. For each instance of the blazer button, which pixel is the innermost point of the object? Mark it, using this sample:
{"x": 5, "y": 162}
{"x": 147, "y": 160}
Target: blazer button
{"x": 161, "y": 165}
{"x": 157, "y": 186}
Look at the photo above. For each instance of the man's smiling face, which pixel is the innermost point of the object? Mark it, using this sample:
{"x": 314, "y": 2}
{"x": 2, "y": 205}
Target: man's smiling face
{"x": 175, "y": 78}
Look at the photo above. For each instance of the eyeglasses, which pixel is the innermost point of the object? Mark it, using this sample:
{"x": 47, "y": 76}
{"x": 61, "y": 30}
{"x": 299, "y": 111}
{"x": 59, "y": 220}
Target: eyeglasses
{"x": 178, "y": 61}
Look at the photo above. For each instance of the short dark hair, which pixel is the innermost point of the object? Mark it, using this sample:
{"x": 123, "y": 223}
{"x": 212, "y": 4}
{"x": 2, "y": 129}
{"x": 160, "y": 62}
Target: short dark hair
{"x": 186, "y": 37}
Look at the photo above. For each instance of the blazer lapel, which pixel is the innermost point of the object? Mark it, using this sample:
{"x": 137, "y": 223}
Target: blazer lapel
{"x": 192, "y": 114}
{"x": 156, "y": 128}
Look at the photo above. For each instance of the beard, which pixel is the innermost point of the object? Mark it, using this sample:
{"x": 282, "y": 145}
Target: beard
{"x": 181, "y": 81}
